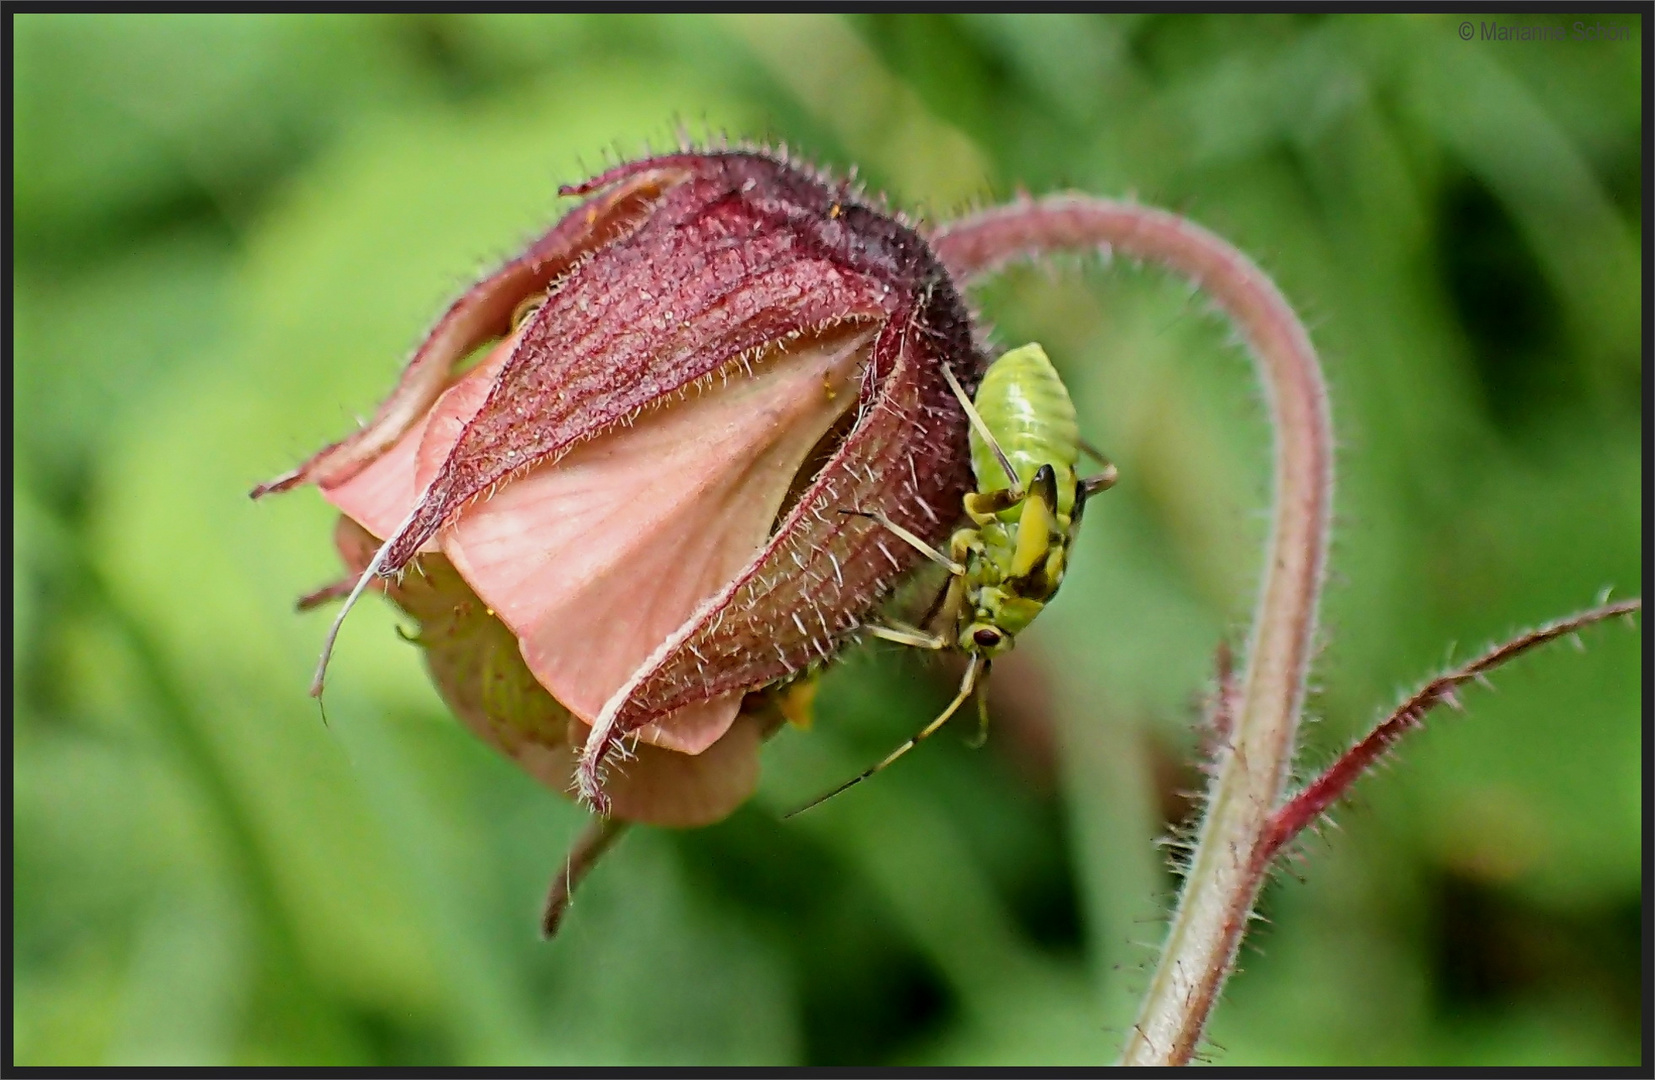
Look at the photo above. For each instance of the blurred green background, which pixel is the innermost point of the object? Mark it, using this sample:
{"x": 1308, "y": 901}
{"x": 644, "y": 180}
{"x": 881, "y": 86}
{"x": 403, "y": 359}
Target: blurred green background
{"x": 229, "y": 232}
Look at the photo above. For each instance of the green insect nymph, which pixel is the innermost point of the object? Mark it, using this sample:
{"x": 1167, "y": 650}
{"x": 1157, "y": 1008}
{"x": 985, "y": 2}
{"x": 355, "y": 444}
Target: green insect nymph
{"x": 1007, "y": 564}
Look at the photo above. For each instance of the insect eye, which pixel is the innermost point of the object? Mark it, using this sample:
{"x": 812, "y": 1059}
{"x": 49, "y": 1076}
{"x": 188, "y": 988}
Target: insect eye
{"x": 987, "y": 637}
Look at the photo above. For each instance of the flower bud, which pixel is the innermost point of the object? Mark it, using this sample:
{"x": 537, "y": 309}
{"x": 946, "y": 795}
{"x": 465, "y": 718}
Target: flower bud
{"x": 642, "y": 481}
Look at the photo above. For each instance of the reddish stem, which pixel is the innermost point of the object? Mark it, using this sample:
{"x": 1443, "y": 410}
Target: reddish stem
{"x": 1252, "y": 768}
{"x": 1314, "y": 799}
{"x": 1247, "y": 820}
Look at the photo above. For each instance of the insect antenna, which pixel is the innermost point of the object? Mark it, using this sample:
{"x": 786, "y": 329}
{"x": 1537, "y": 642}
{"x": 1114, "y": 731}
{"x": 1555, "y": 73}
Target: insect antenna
{"x": 983, "y": 431}
{"x": 910, "y": 539}
{"x": 968, "y": 685}
{"x": 1105, "y": 479}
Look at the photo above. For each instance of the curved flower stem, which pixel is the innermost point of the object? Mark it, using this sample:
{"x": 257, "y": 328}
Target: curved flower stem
{"x": 597, "y": 837}
{"x": 1225, "y": 872}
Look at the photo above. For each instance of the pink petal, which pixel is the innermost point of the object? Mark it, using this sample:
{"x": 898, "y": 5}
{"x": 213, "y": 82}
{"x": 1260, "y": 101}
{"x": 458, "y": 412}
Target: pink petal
{"x": 380, "y": 496}
{"x": 595, "y": 560}
{"x": 479, "y": 671}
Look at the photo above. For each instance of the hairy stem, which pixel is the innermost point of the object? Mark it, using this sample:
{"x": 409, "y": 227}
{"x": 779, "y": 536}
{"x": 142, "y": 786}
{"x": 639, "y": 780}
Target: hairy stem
{"x": 598, "y": 837}
{"x": 1224, "y": 875}
{"x": 1311, "y": 802}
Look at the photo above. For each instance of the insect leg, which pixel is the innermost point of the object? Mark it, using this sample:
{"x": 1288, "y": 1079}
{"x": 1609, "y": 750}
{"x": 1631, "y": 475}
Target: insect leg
{"x": 977, "y": 740}
{"x": 947, "y": 601}
{"x": 953, "y": 566}
{"x": 985, "y": 434}
{"x": 1103, "y": 481}
{"x": 982, "y": 506}
{"x": 1088, "y": 487}
{"x": 1093, "y": 452}
{"x": 904, "y": 636}
{"x": 967, "y": 686}
{"x": 946, "y": 604}
{"x": 1106, "y": 477}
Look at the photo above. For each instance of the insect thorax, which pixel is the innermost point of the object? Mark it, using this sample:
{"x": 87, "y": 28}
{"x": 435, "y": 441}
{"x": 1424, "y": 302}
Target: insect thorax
{"x": 996, "y": 598}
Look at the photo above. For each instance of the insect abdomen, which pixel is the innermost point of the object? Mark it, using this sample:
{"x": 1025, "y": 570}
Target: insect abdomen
{"x": 1027, "y": 407}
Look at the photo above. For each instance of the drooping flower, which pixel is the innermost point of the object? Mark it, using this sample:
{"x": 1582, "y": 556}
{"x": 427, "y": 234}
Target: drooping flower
{"x": 642, "y": 481}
